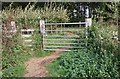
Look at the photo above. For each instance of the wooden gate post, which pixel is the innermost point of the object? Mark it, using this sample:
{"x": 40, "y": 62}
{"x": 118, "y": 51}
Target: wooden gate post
{"x": 42, "y": 31}
{"x": 13, "y": 25}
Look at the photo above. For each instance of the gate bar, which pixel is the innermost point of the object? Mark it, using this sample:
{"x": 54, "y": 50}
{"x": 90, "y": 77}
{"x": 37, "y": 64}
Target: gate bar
{"x": 64, "y": 23}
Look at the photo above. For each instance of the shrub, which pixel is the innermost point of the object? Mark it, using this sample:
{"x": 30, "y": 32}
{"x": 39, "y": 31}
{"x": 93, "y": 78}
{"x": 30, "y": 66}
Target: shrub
{"x": 103, "y": 38}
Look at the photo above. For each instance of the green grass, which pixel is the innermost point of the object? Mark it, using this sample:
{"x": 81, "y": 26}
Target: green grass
{"x": 42, "y": 53}
{"x": 54, "y": 72}
{"x": 1, "y": 73}
{"x": 18, "y": 69}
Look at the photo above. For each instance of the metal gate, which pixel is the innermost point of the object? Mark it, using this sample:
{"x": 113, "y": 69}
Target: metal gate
{"x": 68, "y": 36}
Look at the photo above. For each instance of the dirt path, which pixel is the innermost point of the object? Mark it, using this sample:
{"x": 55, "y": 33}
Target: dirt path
{"x": 35, "y": 67}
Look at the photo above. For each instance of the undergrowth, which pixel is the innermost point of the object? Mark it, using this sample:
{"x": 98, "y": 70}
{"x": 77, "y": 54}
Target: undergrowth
{"x": 82, "y": 64}
{"x": 99, "y": 59}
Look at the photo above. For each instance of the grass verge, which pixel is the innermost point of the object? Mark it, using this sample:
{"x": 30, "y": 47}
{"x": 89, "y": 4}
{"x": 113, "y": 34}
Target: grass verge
{"x": 15, "y": 67}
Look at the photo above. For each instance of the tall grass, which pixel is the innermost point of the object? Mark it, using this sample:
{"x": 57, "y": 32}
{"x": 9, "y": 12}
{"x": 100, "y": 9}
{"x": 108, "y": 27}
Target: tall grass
{"x": 31, "y": 14}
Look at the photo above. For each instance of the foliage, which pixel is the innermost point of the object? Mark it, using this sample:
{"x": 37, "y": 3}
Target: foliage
{"x": 37, "y": 43}
{"x": 82, "y": 64}
{"x": 14, "y": 53}
{"x": 98, "y": 60}
{"x": 106, "y": 11}
{"x": 41, "y": 53}
{"x": 12, "y": 64}
{"x": 103, "y": 38}
{"x": 31, "y": 14}
{"x": 0, "y": 74}
{"x": 54, "y": 14}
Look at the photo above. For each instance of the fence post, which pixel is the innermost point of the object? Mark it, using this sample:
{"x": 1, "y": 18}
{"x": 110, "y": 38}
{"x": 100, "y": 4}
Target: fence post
{"x": 13, "y": 26}
{"x": 86, "y": 35}
{"x": 42, "y": 31}
{"x": 88, "y": 15}
{"x": 88, "y": 21}
{"x": 1, "y": 49}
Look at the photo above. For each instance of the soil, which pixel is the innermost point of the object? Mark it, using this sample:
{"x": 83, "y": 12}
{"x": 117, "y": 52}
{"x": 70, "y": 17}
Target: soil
{"x": 36, "y": 67}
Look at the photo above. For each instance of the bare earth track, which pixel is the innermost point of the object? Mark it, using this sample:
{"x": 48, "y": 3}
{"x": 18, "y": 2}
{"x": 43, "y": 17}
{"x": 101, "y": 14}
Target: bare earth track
{"x": 35, "y": 67}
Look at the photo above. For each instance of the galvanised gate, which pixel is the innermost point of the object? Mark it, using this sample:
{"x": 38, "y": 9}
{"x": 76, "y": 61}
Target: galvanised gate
{"x": 68, "y": 36}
